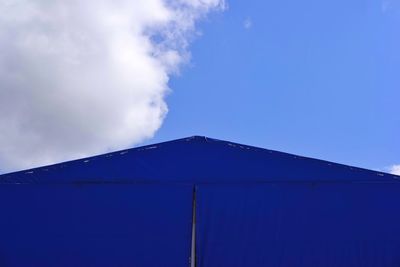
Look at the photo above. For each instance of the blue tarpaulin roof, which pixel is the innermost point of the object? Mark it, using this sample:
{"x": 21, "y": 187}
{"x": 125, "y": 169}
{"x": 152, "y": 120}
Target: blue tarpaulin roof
{"x": 225, "y": 204}
{"x": 196, "y": 159}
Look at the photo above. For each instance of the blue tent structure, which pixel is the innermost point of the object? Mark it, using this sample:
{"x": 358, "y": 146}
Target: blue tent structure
{"x": 200, "y": 202}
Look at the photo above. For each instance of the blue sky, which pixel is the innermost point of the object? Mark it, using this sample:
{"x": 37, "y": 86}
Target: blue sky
{"x": 314, "y": 78}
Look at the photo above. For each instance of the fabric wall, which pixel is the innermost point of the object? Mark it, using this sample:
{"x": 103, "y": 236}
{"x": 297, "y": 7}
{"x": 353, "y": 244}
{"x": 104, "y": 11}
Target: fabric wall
{"x": 298, "y": 224}
{"x": 243, "y": 225}
{"x": 95, "y": 225}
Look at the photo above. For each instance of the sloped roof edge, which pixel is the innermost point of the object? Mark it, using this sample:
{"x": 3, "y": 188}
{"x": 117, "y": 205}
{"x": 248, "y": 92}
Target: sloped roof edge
{"x": 33, "y": 174}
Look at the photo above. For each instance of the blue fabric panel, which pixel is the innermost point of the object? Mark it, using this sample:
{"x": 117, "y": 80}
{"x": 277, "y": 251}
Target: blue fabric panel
{"x": 95, "y": 225}
{"x": 298, "y": 225}
{"x": 195, "y": 160}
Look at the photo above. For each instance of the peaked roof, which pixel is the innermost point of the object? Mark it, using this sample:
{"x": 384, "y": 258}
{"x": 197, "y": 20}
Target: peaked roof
{"x": 196, "y": 159}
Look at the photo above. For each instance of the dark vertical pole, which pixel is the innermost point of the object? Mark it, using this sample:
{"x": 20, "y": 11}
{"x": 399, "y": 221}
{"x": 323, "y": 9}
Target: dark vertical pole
{"x": 193, "y": 248}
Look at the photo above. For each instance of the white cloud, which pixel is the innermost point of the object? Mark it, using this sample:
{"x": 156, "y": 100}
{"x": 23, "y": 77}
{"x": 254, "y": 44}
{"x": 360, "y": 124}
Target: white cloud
{"x": 84, "y": 77}
{"x": 395, "y": 169}
{"x": 247, "y": 23}
{"x": 390, "y": 6}
{"x": 385, "y": 5}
